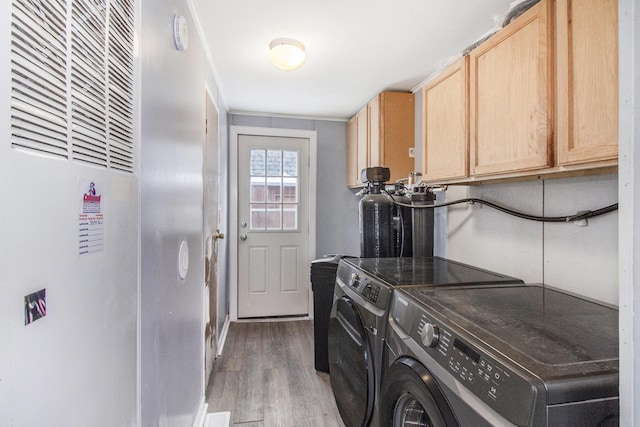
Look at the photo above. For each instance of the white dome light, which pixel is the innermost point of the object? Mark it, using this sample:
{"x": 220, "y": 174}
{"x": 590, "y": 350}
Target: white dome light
{"x": 287, "y": 54}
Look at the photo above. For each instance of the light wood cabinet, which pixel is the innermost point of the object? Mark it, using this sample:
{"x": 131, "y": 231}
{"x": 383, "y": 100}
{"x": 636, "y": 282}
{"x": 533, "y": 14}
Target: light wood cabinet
{"x": 587, "y": 80}
{"x": 362, "y": 129}
{"x": 542, "y": 99}
{"x": 357, "y": 147}
{"x": 445, "y": 129}
{"x": 511, "y": 106}
{"x": 352, "y": 152}
{"x": 384, "y": 133}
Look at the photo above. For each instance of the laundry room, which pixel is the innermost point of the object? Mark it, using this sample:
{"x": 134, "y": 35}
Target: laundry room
{"x": 426, "y": 218}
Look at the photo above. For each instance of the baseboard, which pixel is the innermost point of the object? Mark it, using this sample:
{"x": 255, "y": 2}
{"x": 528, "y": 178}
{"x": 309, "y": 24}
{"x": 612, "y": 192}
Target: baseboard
{"x": 223, "y": 335}
{"x": 273, "y": 319}
{"x": 218, "y": 419}
{"x": 202, "y": 414}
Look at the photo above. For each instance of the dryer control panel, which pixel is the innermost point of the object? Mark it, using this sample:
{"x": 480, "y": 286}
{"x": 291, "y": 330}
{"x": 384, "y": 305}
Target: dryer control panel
{"x": 370, "y": 289}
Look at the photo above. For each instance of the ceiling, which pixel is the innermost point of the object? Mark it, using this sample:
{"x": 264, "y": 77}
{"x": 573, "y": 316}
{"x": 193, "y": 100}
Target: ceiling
{"x": 355, "y": 49}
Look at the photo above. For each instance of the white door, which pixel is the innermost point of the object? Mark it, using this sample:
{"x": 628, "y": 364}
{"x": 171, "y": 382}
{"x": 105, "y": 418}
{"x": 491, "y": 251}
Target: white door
{"x": 273, "y": 226}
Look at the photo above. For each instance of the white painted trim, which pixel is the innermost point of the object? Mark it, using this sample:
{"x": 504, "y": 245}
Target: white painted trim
{"x": 207, "y": 52}
{"x": 234, "y": 132}
{"x": 288, "y": 116}
{"x": 218, "y": 419}
{"x": 628, "y": 224}
{"x": 138, "y": 174}
{"x": 223, "y": 335}
{"x": 202, "y": 414}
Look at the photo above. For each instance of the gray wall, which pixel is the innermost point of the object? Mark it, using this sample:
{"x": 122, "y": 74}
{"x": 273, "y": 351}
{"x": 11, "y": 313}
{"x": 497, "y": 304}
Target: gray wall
{"x": 337, "y": 206}
{"x": 172, "y": 133}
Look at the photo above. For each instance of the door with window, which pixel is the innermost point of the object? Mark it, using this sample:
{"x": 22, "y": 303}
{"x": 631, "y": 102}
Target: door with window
{"x": 273, "y": 226}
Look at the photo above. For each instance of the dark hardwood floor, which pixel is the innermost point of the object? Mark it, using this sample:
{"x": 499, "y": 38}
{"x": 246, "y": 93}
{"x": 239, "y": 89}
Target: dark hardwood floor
{"x": 266, "y": 377}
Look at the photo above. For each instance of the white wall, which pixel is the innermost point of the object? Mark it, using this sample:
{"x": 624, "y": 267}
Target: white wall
{"x": 77, "y": 364}
{"x": 582, "y": 260}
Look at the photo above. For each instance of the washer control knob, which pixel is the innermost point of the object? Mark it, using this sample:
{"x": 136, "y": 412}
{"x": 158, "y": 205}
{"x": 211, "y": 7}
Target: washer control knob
{"x": 430, "y": 335}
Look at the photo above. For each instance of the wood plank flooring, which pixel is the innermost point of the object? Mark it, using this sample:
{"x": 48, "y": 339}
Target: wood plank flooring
{"x": 266, "y": 378}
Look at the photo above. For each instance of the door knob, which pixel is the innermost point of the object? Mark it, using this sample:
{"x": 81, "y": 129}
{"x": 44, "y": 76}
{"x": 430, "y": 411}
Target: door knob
{"x": 218, "y": 235}
{"x": 243, "y": 237}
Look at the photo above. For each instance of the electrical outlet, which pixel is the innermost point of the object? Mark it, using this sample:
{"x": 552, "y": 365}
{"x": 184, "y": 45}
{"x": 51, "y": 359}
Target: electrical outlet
{"x": 35, "y": 306}
{"x": 412, "y": 152}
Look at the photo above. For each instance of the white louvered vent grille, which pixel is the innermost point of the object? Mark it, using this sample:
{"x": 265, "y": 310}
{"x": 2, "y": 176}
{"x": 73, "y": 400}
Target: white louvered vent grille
{"x": 38, "y": 77}
{"x": 120, "y": 69}
{"x": 72, "y": 83}
{"x": 88, "y": 82}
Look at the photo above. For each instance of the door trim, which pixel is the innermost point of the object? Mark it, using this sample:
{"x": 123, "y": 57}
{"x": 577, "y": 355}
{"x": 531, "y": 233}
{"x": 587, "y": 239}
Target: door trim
{"x": 234, "y": 132}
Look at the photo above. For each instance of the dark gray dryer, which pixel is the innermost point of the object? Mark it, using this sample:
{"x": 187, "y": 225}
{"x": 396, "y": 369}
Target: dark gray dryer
{"x": 358, "y": 321}
{"x": 504, "y": 356}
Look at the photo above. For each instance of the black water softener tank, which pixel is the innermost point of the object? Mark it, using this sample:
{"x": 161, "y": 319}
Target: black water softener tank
{"x": 423, "y": 222}
{"x": 402, "y": 222}
{"x": 376, "y": 215}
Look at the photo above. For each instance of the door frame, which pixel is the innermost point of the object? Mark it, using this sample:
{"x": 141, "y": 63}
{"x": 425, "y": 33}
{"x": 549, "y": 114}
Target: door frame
{"x": 206, "y": 306}
{"x": 234, "y": 132}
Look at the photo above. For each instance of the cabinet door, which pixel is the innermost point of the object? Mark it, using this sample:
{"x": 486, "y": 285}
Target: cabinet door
{"x": 397, "y": 133}
{"x": 510, "y": 97}
{"x": 373, "y": 107}
{"x": 587, "y": 80}
{"x": 362, "y": 128}
{"x": 352, "y": 153}
{"x": 445, "y": 130}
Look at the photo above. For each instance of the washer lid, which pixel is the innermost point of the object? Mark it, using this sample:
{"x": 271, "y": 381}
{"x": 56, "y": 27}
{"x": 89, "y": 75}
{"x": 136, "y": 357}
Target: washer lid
{"x": 427, "y": 271}
{"x": 561, "y": 339}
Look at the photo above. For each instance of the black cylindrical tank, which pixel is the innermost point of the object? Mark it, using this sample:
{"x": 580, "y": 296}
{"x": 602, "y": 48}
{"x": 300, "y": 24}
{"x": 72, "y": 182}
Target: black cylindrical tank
{"x": 423, "y": 222}
{"x": 376, "y": 225}
{"x": 402, "y": 228}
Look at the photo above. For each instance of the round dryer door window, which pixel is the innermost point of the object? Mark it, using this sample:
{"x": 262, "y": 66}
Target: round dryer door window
{"x": 411, "y": 397}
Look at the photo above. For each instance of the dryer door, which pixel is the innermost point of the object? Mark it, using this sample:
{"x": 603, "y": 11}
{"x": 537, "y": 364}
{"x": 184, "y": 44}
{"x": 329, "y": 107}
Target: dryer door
{"x": 350, "y": 364}
{"x": 411, "y": 397}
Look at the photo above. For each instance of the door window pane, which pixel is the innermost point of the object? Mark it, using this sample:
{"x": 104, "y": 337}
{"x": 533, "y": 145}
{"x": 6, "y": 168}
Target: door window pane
{"x": 289, "y": 217}
{"x": 290, "y": 161}
{"x": 274, "y": 193}
{"x": 274, "y": 162}
{"x": 274, "y": 217}
{"x": 290, "y": 190}
{"x": 274, "y": 190}
{"x": 257, "y": 189}
{"x": 258, "y": 217}
{"x": 258, "y": 162}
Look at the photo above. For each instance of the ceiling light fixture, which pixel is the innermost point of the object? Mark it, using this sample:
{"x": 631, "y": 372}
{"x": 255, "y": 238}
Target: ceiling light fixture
{"x": 287, "y": 54}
